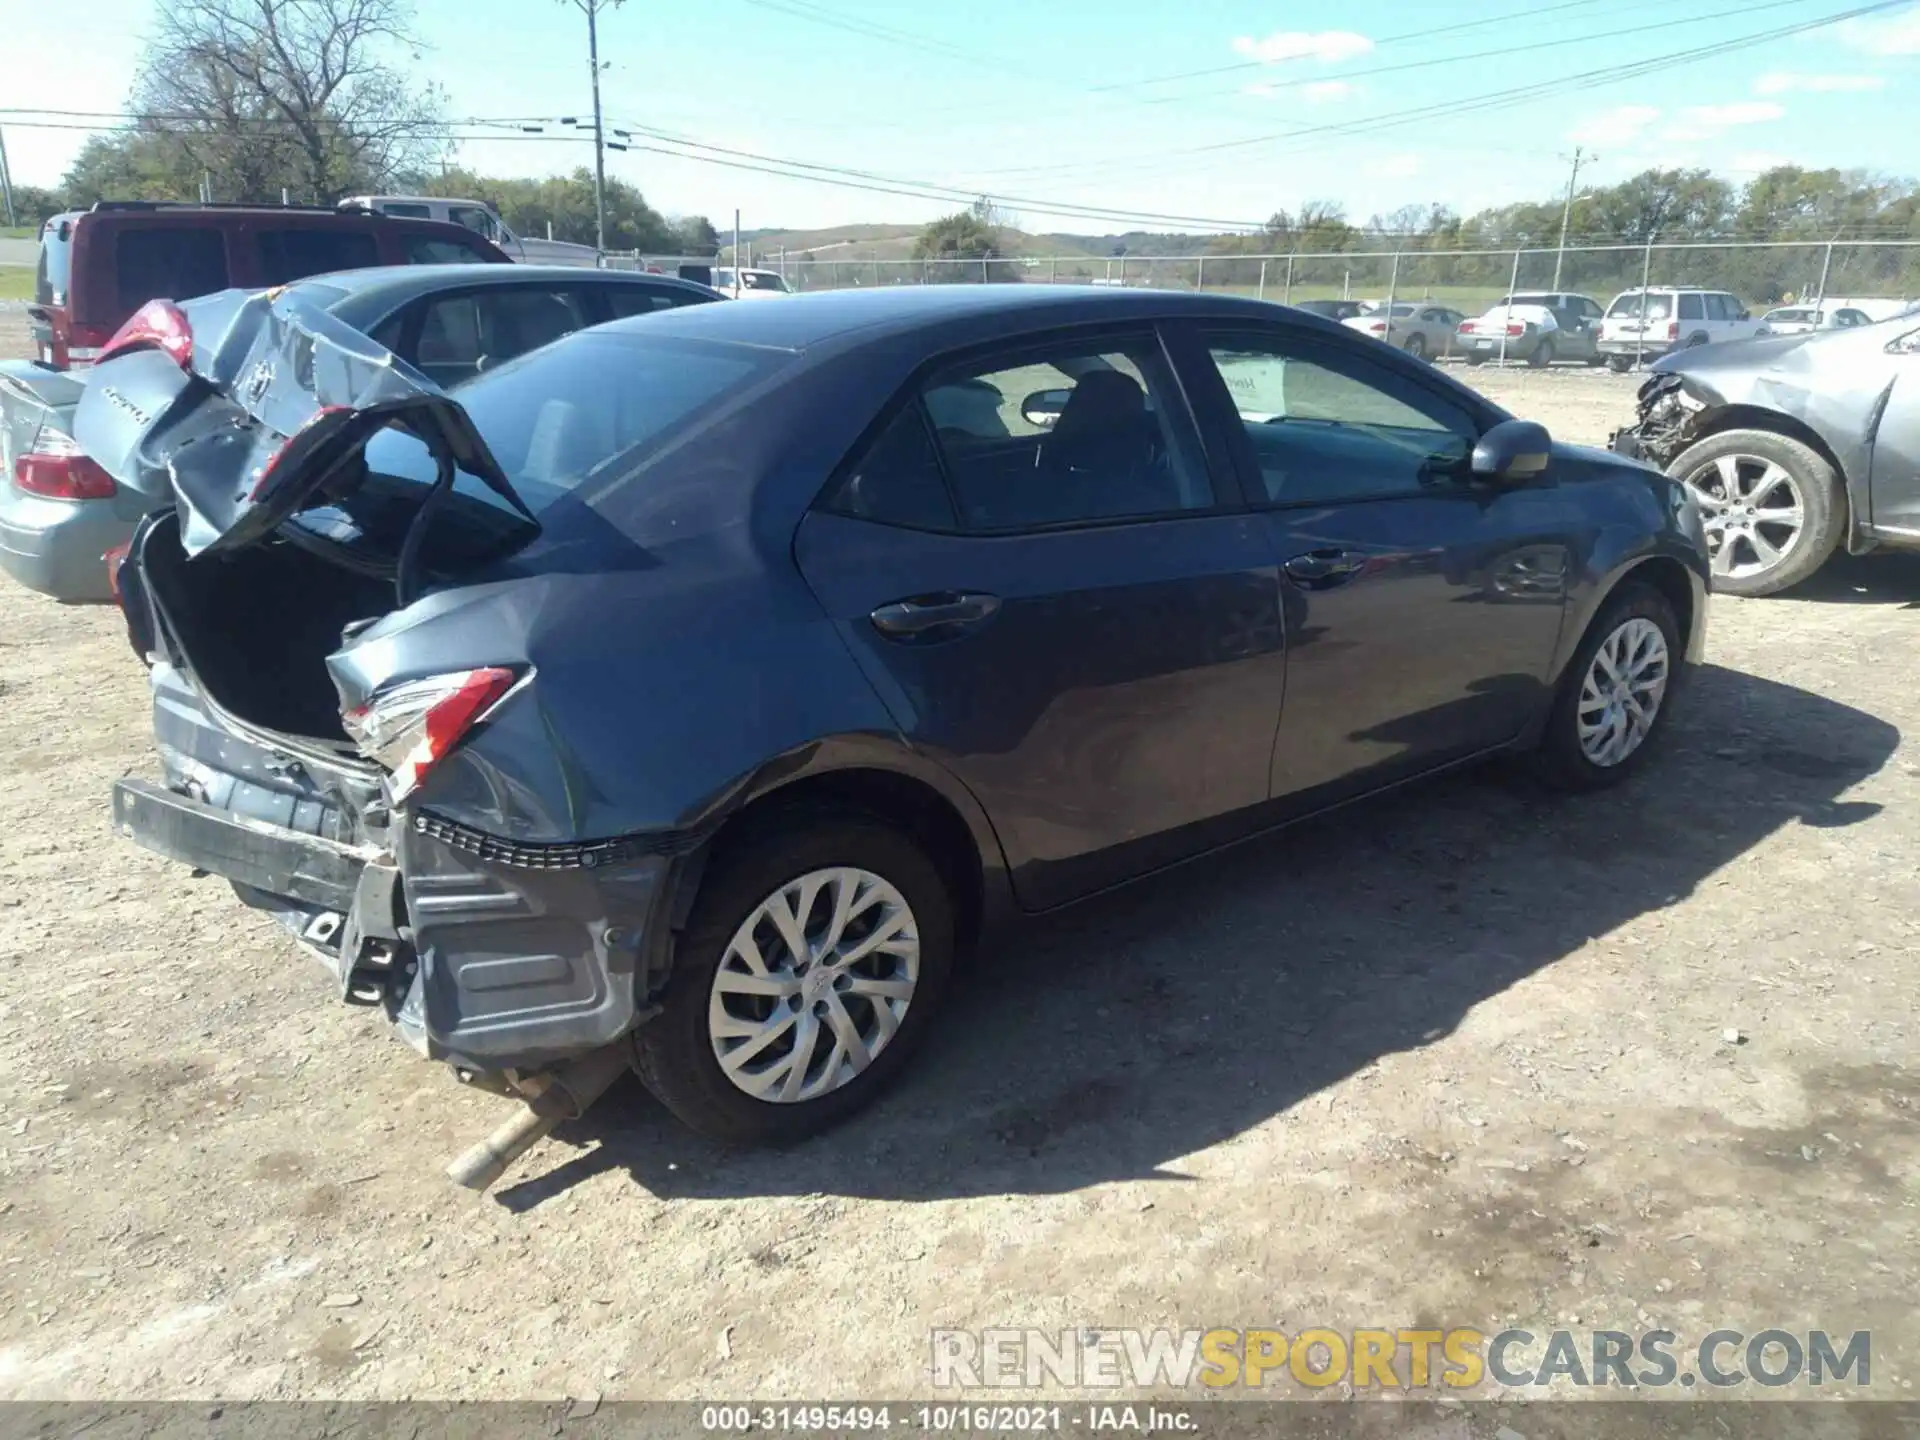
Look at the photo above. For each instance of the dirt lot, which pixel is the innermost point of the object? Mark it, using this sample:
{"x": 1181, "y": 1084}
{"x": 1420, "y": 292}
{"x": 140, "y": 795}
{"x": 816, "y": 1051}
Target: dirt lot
{"x": 1454, "y": 1058}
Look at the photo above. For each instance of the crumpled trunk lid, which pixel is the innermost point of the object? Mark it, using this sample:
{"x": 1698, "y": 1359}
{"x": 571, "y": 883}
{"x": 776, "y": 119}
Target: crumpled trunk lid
{"x": 275, "y": 407}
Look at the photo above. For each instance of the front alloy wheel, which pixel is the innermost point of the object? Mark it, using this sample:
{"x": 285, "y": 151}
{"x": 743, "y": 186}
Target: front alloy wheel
{"x": 1753, "y": 513}
{"x": 1620, "y": 697}
{"x": 814, "y": 985}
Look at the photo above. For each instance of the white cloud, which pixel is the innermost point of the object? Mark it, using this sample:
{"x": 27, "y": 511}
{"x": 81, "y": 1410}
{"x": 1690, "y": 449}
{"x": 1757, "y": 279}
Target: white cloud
{"x": 1327, "y": 46}
{"x": 1895, "y": 35}
{"x": 1324, "y": 92}
{"x": 1782, "y": 82}
{"x": 1399, "y": 166}
{"x": 1755, "y": 162}
{"x": 1619, "y": 126}
{"x": 1703, "y": 122}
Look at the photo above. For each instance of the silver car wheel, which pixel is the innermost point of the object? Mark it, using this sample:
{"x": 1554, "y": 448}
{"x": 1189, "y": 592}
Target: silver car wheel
{"x": 1622, "y": 692}
{"x": 1752, "y": 510}
{"x": 814, "y": 985}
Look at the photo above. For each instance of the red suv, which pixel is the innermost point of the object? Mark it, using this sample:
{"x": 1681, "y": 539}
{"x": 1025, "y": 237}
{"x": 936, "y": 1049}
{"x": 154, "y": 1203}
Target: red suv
{"x": 98, "y": 266}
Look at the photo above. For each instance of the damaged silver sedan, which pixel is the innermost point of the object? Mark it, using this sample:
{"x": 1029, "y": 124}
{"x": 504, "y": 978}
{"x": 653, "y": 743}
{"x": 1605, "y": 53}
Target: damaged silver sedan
{"x": 1793, "y": 445}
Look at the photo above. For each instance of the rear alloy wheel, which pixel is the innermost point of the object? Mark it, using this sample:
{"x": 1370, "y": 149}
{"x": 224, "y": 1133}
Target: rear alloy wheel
{"x": 1771, "y": 507}
{"x": 1542, "y": 355}
{"x": 1416, "y": 347}
{"x": 813, "y": 961}
{"x": 1614, "y": 694}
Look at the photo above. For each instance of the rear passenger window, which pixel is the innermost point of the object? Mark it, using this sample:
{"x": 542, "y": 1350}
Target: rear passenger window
{"x": 431, "y": 250}
{"x": 287, "y": 255}
{"x": 1690, "y": 308}
{"x": 898, "y": 481}
{"x": 171, "y": 263}
{"x": 1068, "y": 435}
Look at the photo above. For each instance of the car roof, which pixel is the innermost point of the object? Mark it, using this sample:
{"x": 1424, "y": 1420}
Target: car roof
{"x": 823, "y": 316}
{"x": 378, "y": 287}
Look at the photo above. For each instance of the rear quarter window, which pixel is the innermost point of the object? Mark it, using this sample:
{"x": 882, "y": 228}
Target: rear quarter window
{"x": 436, "y": 250}
{"x": 173, "y": 262}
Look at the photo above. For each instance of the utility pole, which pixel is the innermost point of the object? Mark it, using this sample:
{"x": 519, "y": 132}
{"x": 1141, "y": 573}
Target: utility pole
{"x": 1566, "y": 212}
{"x": 6, "y": 180}
{"x": 591, "y": 9}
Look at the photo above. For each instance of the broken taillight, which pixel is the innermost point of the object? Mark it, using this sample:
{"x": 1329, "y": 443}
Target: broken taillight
{"x": 157, "y": 325}
{"x": 411, "y": 727}
{"x": 57, "y": 469}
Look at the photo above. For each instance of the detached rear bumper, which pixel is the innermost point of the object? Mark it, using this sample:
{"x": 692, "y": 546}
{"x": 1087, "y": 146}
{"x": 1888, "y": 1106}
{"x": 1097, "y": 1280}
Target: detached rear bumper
{"x": 248, "y": 852}
{"x": 488, "y": 955}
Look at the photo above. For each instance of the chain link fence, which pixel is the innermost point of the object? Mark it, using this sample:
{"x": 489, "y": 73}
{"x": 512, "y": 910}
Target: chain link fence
{"x": 1761, "y": 273}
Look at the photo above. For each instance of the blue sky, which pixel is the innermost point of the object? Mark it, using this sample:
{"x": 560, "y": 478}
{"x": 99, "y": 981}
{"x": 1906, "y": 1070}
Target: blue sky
{"x": 1066, "y": 104}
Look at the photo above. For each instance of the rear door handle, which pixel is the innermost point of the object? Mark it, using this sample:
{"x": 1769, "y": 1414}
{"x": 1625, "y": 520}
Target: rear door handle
{"x": 1321, "y": 568}
{"x": 918, "y": 614}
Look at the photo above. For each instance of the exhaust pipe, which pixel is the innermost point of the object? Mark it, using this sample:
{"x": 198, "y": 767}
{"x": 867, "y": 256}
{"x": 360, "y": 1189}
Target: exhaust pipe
{"x": 550, "y": 1099}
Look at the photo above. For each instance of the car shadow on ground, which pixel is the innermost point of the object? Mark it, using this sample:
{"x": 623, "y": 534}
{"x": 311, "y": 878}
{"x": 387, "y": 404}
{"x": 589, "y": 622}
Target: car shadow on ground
{"x": 1891, "y": 579}
{"x": 1106, "y": 1042}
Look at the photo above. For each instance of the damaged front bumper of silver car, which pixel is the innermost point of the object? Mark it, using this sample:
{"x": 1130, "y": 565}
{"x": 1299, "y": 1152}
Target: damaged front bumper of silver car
{"x": 1663, "y": 427}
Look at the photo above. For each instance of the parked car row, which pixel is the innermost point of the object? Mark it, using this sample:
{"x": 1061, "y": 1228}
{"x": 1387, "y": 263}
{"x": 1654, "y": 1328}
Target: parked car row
{"x": 1545, "y": 327}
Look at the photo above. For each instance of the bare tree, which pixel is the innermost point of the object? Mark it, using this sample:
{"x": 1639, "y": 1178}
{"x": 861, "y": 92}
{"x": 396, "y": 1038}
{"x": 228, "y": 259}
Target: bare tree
{"x": 307, "y": 88}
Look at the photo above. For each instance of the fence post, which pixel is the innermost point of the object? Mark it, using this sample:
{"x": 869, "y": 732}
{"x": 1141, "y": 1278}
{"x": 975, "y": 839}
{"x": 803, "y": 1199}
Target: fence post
{"x": 1393, "y": 288}
{"x": 1053, "y": 269}
{"x": 1200, "y": 273}
{"x": 1506, "y": 318}
{"x": 983, "y": 269}
{"x": 1261, "y": 294}
{"x": 1123, "y": 272}
{"x": 1820, "y": 300}
{"x": 1287, "y": 295}
{"x": 876, "y": 273}
{"x": 1646, "y": 279}
{"x": 836, "y": 274}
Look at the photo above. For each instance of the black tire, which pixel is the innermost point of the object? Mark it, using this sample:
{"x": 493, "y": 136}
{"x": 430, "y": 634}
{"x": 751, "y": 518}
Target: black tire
{"x": 1559, "y": 759}
{"x": 673, "y": 1053}
{"x": 1416, "y": 347}
{"x": 1542, "y": 355}
{"x": 1619, "y": 364}
{"x": 1694, "y": 342}
{"x": 1475, "y": 358}
{"x": 1821, "y": 502}
{"x": 1596, "y": 361}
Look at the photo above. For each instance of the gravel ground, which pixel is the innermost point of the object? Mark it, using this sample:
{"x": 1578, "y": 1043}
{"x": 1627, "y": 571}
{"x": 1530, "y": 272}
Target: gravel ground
{"x": 1457, "y": 1057}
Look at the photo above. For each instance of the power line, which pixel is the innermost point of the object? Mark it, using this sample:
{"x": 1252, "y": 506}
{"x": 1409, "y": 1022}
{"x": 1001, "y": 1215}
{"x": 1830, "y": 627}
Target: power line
{"x": 1496, "y": 99}
{"x": 1240, "y": 65}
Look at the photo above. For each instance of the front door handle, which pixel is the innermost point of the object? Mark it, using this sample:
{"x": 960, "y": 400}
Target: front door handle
{"x": 1319, "y": 569}
{"x": 918, "y": 614}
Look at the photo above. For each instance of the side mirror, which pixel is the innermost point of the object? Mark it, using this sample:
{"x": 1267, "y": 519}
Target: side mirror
{"x": 1043, "y": 407}
{"x": 1746, "y": 314}
{"x": 1512, "y": 452}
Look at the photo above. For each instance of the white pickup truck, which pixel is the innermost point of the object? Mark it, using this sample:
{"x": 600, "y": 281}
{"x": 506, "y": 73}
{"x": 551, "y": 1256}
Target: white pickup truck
{"x": 480, "y": 216}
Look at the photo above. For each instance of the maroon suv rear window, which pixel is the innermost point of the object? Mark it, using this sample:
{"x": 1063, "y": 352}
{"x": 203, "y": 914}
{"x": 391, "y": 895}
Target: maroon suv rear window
{"x": 173, "y": 262}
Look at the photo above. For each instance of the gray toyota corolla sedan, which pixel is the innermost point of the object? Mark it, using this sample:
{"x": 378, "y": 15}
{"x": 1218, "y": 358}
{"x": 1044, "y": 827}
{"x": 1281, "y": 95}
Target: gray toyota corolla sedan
{"x": 701, "y": 685}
